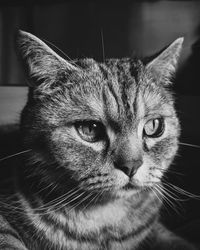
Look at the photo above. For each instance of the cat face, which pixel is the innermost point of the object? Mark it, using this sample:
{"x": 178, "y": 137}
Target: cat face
{"x": 105, "y": 127}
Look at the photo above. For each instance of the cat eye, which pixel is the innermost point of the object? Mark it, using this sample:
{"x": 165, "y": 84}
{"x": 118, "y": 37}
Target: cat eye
{"x": 154, "y": 128}
{"x": 90, "y": 131}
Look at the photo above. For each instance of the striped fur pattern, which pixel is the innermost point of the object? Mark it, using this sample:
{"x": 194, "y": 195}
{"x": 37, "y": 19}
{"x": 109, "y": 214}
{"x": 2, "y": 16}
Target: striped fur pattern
{"x": 72, "y": 193}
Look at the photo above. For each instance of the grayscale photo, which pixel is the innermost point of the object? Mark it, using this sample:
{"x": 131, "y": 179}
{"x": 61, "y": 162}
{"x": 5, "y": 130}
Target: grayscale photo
{"x": 99, "y": 125}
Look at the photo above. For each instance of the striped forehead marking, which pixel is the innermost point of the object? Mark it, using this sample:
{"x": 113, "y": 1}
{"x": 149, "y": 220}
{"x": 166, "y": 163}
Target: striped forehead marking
{"x": 111, "y": 103}
{"x": 140, "y": 106}
{"x": 120, "y": 92}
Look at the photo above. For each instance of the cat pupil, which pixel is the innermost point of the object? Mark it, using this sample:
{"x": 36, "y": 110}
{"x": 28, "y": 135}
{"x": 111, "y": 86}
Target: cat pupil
{"x": 154, "y": 128}
{"x": 90, "y": 129}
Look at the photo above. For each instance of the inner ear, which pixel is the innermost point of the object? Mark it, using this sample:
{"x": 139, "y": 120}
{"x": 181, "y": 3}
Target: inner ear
{"x": 42, "y": 64}
{"x": 165, "y": 64}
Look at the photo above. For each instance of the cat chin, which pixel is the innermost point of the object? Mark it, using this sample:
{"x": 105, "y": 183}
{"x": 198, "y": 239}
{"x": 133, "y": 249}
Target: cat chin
{"x": 133, "y": 188}
{"x": 127, "y": 193}
{"x": 128, "y": 190}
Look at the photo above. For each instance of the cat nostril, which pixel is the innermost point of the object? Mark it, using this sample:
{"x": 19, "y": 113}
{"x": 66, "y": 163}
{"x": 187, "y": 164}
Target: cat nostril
{"x": 126, "y": 170}
{"x": 130, "y": 167}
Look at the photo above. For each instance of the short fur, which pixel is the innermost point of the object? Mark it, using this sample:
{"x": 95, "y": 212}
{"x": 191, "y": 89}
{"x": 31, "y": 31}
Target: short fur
{"x": 73, "y": 194}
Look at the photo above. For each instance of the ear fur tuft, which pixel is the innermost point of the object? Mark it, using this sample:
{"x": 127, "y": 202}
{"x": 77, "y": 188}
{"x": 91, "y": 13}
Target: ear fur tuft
{"x": 165, "y": 64}
{"x": 42, "y": 64}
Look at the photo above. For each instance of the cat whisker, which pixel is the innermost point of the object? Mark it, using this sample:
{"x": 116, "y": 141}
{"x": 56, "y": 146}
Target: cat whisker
{"x": 169, "y": 171}
{"x": 81, "y": 201}
{"x": 72, "y": 200}
{"x": 61, "y": 199}
{"x": 182, "y": 191}
{"x": 90, "y": 202}
{"x": 46, "y": 209}
{"x": 37, "y": 211}
{"x": 161, "y": 197}
{"x": 14, "y": 155}
{"x": 170, "y": 194}
{"x": 47, "y": 187}
{"x": 13, "y": 206}
{"x": 166, "y": 198}
{"x": 156, "y": 194}
{"x": 189, "y": 145}
{"x": 99, "y": 196}
{"x": 62, "y": 52}
{"x": 55, "y": 185}
{"x": 94, "y": 199}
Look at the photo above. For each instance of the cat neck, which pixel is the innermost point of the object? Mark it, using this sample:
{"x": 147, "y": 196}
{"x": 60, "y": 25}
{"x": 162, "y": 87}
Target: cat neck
{"x": 119, "y": 215}
{"x": 92, "y": 222}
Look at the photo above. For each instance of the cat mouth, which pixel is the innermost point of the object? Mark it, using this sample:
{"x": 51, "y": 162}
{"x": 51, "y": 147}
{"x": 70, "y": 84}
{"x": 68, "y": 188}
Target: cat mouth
{"x": 131, "y": 186}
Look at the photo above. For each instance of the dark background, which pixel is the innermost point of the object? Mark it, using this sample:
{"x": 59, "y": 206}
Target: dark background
{"x": 101, "y": 29}
{"x": 126, "y": 28}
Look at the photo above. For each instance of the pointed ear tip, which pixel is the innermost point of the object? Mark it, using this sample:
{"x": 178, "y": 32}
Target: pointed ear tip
{"x": 20, "y": 34}
{"x": 23, "y": 34}
{"x": 179, "y": 41}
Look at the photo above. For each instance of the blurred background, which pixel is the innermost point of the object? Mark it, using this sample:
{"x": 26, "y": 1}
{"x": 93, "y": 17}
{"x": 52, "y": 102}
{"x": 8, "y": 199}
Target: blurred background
{"x": 107, "y": 29}
{"x": 120, "y": 28}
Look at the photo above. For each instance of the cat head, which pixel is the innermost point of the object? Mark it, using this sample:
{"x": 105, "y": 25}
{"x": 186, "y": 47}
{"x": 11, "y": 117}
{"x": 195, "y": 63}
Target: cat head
{"x": 106, "y": 127}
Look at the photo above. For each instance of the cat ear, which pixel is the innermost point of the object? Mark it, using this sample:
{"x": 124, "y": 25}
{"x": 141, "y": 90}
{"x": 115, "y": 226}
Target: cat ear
{"x": 164, "y": 65}
{"x": 43, "y": 65}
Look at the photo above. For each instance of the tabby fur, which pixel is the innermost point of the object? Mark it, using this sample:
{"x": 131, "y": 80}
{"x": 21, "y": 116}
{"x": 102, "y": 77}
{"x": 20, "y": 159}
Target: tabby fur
{"x": 69, "y": 193}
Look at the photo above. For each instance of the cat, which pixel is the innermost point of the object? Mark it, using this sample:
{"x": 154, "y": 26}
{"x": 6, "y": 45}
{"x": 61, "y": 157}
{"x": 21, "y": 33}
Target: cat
{"x": 98, "y": 138}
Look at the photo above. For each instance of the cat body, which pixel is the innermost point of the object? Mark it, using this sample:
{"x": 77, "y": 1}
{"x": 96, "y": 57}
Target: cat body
{"x": 106, "y": 227}
{"x": 98, "y": 138}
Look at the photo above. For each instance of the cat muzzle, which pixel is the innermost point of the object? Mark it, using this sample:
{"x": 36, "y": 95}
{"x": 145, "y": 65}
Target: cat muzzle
{"x": 129, "y": 167}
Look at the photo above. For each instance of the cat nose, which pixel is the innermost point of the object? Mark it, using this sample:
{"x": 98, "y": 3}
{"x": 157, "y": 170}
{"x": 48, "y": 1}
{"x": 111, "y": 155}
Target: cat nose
{"x": 129, "y": 167}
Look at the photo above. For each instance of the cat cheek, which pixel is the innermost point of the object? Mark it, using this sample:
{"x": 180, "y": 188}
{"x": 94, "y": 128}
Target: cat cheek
{"x": 171, "y": 152}
{"x": 147, "y": 175}
{"x": 151, "y": 142}
{"x": 141, "y": 176}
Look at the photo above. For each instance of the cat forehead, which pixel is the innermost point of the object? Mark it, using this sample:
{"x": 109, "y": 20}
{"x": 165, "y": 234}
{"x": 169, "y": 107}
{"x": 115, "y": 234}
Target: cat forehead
{"x": 111, "y": 84}
{"x": 116, "y": 91}
{"x": 121, "y": 74}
